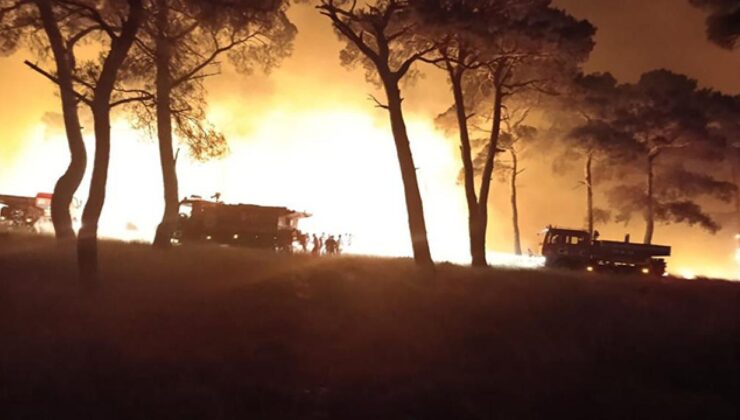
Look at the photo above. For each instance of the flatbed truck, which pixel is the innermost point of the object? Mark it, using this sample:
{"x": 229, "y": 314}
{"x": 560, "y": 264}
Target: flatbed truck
{"x": 579, "y": 250}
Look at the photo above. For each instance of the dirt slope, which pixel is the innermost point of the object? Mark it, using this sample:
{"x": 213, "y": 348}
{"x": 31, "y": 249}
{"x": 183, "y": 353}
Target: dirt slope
{"x": 223, "y": 333}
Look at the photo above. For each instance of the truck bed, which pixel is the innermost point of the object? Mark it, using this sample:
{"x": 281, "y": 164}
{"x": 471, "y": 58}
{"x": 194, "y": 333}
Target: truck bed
{"x": 628, "y": 251}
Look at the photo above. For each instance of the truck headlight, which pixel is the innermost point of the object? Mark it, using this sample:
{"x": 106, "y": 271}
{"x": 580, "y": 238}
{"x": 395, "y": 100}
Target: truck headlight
{"x": 646, "y": 271}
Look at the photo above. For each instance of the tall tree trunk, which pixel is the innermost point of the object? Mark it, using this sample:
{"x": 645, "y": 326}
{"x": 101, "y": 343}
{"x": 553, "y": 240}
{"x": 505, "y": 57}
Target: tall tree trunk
{"x": 164, "y": 130}
{"x": 514, "y": 204}
{"x": 485, "y": 187}
{"x": 477, "y": 254}
{"x": 69, "y": 182}
{"x": 87, "y": 244}
{"x": 414, "y": 206}
{"x": 590, "y": 193}
{"x": 650, "y": 211}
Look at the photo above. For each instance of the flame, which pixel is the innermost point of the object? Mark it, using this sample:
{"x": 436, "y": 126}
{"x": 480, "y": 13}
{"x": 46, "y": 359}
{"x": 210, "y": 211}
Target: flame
{"x": 337, "y": 164}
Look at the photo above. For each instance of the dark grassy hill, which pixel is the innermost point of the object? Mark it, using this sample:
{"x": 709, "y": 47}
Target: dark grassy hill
{"x": 224, "y": 333}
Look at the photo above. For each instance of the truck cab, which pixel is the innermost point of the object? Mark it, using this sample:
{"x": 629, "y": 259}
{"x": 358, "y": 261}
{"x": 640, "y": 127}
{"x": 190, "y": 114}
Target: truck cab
{"x": 566, "y": 248}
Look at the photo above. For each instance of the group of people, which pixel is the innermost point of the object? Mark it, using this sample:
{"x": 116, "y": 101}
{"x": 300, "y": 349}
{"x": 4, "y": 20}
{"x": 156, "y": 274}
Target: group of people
{"x": 321, "y": 244}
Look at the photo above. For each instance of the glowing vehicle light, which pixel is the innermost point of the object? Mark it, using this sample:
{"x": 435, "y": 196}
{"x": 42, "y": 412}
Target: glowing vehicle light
{"x": 590, "y": 269}
{"x": 646, "y": 271}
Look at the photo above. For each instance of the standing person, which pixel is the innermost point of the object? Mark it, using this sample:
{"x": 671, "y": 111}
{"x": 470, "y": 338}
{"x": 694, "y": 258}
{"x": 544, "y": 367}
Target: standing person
{"x": 331, "y": 245}
{"x": 316, "y": 245}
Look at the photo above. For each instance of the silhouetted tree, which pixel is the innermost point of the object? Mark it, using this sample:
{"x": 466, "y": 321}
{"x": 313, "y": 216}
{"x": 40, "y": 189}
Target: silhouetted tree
{"x": 381, "y": 36}
{"x": 448, "y": 25}
{"x": 493, "y": 51}
{"x": 724, "y": 127}
{"x": 664, "y": 112}
{"x": 675, "y": 198}
{"x": 516, "y": 136}
{"x": 20, "y": 20}
{"x": 583, "y": 114}
{"x": 723, "y": 22}
{"x": 723, "y": 28}
{"x": 183, "y": 41}
{"x": 117, "y": 23}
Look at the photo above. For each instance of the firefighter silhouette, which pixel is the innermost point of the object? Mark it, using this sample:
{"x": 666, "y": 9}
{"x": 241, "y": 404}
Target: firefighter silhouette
{"x": 316, "y": 245}
{"x": 331, "y": 245}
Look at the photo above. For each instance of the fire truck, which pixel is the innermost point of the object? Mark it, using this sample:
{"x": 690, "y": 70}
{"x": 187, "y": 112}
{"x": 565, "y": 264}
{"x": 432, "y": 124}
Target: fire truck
{"x": 248, "y": 225}
{"x": 578, "y": 250}
{"x": 24, "y": 213}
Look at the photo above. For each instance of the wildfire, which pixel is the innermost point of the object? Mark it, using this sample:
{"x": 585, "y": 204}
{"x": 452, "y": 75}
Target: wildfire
{"x": 345, "y": 173}
{"x": 337, "y": 164}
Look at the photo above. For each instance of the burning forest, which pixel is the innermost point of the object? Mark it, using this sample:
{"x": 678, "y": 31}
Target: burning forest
{"x": 586, "y": 140}
{"x": 256, "y": 112}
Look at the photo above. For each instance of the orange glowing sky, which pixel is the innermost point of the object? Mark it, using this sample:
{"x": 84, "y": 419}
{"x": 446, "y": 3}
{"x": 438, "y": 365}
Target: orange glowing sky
{"x": 306, "y": 136}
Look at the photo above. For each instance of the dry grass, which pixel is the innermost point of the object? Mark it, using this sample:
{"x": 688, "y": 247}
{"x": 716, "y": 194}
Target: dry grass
{"x": 225, "y": 333}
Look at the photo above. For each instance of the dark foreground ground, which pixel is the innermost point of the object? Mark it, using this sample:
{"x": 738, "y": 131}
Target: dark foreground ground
{"x": 222, "y": 333}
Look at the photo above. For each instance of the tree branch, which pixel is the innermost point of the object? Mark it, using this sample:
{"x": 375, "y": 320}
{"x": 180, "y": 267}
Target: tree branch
{"x": 94, "y": 15}
{"x": 210, "y": 60}
{"x": 332, "y": 12}
{"x": 406, "y": 65}
{"x": 377, "y": 102}
{"x": 129, "y": 100}
{"x": 54, "y": 79}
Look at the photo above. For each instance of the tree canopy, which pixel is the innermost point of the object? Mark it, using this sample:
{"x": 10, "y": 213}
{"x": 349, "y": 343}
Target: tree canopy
{"x": 723, "y": 21}
{"x": 495, "y": 52}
